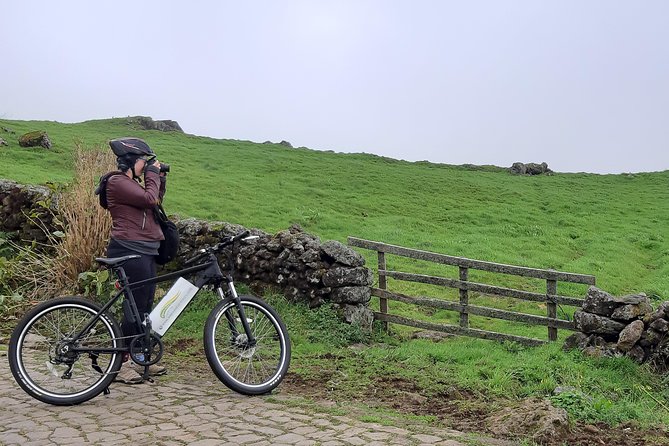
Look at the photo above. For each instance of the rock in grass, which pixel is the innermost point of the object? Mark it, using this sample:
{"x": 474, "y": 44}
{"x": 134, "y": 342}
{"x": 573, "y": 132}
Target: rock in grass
{"x": 593, "y": 323}
{"x": 351, "y": 295}
{"x": 604, "y": 304}
{"x": 538, "y": 419}
{"x": 660, "y": 325}
{"x": 338, "y": 252}
{"x": 35, "y": 139}
{"x": 637, "y": 354}
{"x": 629, "y": 336}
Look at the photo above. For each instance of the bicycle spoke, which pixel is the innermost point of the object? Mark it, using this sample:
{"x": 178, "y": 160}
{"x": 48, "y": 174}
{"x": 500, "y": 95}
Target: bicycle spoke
{"x": 56, "y": 332}
{"x": 252, "y": 365}
{"x": 46, "y": 369}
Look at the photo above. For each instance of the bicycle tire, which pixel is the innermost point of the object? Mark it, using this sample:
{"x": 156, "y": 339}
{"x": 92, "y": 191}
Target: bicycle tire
{"x": 247, "y": 370}
{"x": 40, "y": 371}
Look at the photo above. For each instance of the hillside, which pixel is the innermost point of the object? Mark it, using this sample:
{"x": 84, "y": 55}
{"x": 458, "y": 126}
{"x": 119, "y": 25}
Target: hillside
{"x": 612, "y": 226}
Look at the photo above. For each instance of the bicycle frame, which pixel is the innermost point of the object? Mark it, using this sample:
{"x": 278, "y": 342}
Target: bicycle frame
{"x": 209, "y": 273}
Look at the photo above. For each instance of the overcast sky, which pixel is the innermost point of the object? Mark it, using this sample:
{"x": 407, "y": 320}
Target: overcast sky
{"x": 582, "y": 85}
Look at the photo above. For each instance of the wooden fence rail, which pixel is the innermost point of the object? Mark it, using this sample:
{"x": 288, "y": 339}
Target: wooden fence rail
{"x": 551, "y": 298}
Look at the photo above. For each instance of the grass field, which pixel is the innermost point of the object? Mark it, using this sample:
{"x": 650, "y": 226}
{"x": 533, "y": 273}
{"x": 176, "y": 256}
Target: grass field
{"x": 610, "y": 226}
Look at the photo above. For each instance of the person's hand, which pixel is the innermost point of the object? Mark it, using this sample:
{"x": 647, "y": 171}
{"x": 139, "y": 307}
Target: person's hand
{"x": 158, "y": 165}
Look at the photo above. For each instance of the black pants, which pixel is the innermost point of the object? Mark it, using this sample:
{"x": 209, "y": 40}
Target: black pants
{"x": 136, "y": 270}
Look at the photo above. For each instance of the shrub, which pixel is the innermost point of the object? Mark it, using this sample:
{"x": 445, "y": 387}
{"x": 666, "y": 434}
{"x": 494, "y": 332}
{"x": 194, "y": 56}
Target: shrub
{"x": 37, "y": 272}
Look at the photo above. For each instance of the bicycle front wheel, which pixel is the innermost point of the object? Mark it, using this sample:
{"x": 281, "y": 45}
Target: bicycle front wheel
{"x": 250, "y": 369}
{"x": 42, "y": 354}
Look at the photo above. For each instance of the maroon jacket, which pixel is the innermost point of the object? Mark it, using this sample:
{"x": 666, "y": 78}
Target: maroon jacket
{"x": 131, "y": 206}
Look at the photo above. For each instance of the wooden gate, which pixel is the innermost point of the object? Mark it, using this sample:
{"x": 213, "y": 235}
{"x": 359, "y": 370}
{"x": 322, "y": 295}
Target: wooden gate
{"x": 551, "y": 298}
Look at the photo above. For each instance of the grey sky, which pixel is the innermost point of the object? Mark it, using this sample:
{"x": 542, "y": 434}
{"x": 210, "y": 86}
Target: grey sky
{"x": 582, "y": 85}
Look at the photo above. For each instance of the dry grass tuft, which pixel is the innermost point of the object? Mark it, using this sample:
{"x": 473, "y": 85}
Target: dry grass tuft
{"x": 86, "y": 224}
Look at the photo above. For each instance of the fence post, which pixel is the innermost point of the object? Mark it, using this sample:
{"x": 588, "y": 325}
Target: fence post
{"x": 551, "y": 292}
{"x": 464, "y": 298}
{"x": 383, "y": 302}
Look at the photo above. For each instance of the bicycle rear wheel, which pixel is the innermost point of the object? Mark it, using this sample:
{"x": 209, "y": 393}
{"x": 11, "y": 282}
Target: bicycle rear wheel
{"x": 244, "y": 368}
{"x": 42, "y": 359}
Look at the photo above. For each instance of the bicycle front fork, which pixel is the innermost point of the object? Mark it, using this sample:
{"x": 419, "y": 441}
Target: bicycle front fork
{"x": 251, "y": 340}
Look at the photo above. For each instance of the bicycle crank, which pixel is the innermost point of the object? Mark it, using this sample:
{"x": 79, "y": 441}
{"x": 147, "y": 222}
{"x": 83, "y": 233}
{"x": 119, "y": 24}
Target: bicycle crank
{"x": 144, "y": 354}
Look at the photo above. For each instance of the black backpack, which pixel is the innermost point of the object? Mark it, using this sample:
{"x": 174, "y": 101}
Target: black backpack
{"x": 101, "y": 190}
{"x": 170, "y": 246}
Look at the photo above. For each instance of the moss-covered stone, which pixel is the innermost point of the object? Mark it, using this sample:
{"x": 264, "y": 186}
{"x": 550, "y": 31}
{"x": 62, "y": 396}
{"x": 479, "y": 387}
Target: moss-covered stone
{"x": 35, "y": 139}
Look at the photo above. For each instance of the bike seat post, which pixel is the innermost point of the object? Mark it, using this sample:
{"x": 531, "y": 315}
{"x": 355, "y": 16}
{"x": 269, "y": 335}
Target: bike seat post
{"x": 120, "y": 273}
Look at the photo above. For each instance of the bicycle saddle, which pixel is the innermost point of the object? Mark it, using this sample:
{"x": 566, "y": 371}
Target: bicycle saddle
{"x": 116, "y": 261}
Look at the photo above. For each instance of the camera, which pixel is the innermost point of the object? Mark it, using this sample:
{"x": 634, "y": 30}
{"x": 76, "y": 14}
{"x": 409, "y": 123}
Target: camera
{"x": 164, "y": 167}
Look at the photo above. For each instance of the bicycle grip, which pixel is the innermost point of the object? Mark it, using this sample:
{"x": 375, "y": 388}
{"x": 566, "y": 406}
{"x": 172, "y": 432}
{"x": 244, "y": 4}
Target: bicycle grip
{"x": 241, "y": 235}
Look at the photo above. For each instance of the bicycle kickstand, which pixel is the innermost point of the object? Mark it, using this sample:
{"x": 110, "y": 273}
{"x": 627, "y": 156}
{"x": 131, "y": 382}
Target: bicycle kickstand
{"x": 147, "y": 353}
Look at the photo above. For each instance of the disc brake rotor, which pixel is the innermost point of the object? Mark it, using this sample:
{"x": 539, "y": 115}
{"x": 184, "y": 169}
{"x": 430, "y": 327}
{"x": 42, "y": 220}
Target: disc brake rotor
{"x": 246, "y": 352}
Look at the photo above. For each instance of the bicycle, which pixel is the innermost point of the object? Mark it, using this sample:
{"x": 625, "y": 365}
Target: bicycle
{"x": 68, "y": 350}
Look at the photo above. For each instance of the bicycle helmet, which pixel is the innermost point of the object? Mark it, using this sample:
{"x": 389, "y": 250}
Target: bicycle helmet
{"x": 127, "y": 150}
{"x": 130, "y": 146}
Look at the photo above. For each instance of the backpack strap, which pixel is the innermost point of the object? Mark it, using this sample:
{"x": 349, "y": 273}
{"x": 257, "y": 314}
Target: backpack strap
{"x": 101, "y": 189}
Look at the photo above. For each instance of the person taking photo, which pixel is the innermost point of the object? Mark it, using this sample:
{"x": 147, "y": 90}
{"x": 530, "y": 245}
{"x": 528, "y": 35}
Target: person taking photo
{"x": 135, "y": 231}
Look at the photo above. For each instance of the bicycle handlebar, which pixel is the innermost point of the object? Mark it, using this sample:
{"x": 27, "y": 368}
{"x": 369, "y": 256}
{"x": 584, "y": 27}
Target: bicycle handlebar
{"x": 226, "y": 241}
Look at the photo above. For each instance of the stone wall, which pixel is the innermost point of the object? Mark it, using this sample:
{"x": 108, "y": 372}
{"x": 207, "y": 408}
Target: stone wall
{"x": 292, "y": 261}
{"x": 295, "y": 262}
{"x": 22, "y": 207}
{"x": 622, "y": 326}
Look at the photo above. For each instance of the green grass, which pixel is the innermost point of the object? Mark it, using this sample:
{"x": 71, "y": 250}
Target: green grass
{"x": 610, "y": 226}
{"x": 478, "y": 372}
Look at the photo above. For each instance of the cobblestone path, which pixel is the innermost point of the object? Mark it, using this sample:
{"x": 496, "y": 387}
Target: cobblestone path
{"x": 178, "y": 411}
